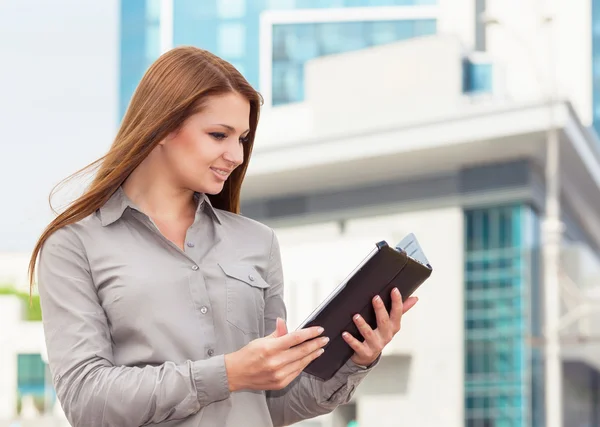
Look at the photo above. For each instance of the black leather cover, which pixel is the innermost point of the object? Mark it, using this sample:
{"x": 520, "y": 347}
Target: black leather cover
{"x": 387, "y": 269}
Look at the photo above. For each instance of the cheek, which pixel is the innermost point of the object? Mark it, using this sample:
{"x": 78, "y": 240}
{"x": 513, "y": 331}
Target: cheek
{"x": 188, "y": 155}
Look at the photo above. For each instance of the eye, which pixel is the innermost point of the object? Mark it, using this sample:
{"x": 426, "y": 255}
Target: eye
{"x": 244, "y": 139}
{"x": 219, "y": 136}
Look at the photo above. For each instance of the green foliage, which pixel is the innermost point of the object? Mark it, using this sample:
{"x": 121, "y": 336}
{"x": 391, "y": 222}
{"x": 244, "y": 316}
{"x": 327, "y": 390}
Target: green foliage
{"x": 33, "y": 311}
{"x": 38, "y": 401}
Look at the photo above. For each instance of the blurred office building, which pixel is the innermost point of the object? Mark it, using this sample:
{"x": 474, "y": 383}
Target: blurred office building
{"x": 382, "y": 118}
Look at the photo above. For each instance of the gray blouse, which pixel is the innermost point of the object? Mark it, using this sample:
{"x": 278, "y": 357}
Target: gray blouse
{"x": 136, "y": 329}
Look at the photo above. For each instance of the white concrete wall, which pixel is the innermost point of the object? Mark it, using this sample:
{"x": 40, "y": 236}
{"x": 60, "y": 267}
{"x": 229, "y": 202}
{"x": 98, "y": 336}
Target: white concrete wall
{"x": 373, "y": 89}
{"x": 457, "y": 18}
{"x": 10, "y": 311}
{"x": 402, "y": 79}
{"x": 13, "y": 269}
{"x": 520, "y": 44}
{"x": 421, "y": 79}
{"x": 316, "y": 258}
{"x": 58, "y": 109}
{"x": 16, "y": 337}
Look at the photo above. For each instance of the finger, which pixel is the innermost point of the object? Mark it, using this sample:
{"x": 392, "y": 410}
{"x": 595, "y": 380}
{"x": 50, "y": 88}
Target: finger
{"x": 409, "y": 303}
{"x": 280, "y": 328}
{"x": 356, "y": 345}
{"x": 382, "y": 316}
{"x": 363, "y": 327}
{"x": 297, "y": 337}
{"x": 302, "y": 350}
{"x": 397, "y": 309}
{"x": 292, "y": 370}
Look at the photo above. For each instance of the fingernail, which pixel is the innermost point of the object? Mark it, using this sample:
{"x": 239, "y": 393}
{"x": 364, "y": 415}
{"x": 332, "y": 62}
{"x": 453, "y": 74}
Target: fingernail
{"x": 357, "y": 317}
{"x": 396, "y": 291}
{"x": 320, "y": 330}
{"x": 325, "y": 340}
{"x": 345, "y": 334}
{"x": 321, "y": 351}
{"x": 377, "y": 299}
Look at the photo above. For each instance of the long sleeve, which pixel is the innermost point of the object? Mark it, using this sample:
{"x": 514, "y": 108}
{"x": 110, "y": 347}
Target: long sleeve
{"x": 306, "y": 397}
{"x": 92, "y": 390}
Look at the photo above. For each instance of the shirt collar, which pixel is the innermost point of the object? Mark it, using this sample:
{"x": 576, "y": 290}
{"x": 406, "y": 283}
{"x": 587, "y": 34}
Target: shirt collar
{"x": 205, "y": 204}
{"x": 113, "y": 209}
{"x": 116, "y": 205}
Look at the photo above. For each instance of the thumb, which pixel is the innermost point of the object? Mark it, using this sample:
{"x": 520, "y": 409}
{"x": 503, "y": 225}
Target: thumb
{"x": 280, "y": 328}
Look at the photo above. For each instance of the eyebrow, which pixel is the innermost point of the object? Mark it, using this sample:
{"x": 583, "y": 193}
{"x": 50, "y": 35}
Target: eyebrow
{"x": 230, "y": 128}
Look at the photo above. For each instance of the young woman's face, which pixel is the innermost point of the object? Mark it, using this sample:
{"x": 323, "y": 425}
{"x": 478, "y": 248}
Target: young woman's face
{"x": 209, "y": 145}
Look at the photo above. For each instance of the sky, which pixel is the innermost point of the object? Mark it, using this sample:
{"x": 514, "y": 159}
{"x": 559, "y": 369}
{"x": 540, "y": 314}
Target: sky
{"x": 58, "y": 103}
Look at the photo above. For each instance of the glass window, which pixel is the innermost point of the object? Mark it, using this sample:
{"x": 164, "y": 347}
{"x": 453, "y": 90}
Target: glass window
{"x": 152, "y": 43}
{"x": 231, "y": 8}
{"x": 231, "y": 40}
{"x": 499, "y": 277}
{"x": 281, "y": 4}
{"x": 405, "y": 30}
{"x": 239, "y": 66}
{"x": 198, "y": 9}
{"x": 281, "y": 36}
{"x": 478, "y": 77}
{"x": 354, "y": 36}
{"x": 425, "y": 27}
{"x": 302, "y": 43}
{"x": 133, "y": 62}
{"x": 295, "y": 44}
{"x": 322, "y": 4}
{"x": 316, "y": 4}
{"x": 380, "y": 32}
{"x": 330, "y": 39}
{"x": 596, "y": 67}
{"x": 31, "y": 374}
{"x": 153, "y": 11}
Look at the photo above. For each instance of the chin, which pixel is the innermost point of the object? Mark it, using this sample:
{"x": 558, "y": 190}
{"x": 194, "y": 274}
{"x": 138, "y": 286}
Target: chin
{"x": 213, "y": 189}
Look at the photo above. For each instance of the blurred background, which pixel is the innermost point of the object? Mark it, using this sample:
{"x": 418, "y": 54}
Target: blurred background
{"x": 472, "y": 123}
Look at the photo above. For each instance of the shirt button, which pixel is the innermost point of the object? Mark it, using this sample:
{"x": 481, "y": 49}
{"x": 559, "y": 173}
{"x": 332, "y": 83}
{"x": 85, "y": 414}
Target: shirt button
{"x": 190, "y": 244}
{"x": 211, "y": 352}
{"x": 203, "y": 310}
{"x": 251, "y": 277}
{"x": 194, "y": 267}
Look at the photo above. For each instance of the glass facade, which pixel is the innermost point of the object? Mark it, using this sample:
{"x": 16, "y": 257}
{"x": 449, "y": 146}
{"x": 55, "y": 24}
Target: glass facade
{"x": 31, "y": 374}
{"x": 230, "y": 29}
{"x": 295, "y": 44}
{"x": 503, "y": 382}
{"x": 140, "y": 44}
{"x": 596, "y": 64}
{"x": 477, "y": 77}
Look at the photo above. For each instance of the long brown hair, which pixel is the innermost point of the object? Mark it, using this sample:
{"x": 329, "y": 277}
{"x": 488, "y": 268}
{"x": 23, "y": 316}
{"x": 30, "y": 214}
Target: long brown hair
{"x": 175, "y": 87}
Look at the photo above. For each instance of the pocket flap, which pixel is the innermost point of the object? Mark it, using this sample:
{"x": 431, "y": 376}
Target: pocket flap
{"x": 244, "y": 273}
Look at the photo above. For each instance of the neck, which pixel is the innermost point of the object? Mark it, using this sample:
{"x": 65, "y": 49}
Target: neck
{"x": 157, "y": 197}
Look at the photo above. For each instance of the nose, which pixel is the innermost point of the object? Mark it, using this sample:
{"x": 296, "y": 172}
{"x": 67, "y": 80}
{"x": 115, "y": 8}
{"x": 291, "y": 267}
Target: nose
{"x": 235, "y": 154}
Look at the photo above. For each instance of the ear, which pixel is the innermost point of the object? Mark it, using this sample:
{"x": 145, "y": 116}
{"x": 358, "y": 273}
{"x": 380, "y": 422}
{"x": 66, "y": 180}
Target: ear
{"x": 167, "y": 138}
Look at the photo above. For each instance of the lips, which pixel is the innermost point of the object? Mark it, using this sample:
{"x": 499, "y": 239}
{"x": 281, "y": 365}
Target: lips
{"x": 222, "y": 174}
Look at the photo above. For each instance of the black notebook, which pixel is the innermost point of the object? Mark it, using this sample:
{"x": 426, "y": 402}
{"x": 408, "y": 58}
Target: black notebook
{"x": 385, "y": 268}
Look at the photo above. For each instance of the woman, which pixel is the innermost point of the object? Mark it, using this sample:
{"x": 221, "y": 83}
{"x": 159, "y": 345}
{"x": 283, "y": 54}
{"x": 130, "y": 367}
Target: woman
{"x": 161, "y": 304}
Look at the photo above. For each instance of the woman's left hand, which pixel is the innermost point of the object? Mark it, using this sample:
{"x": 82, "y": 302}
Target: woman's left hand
{"x": 367, "y": 352}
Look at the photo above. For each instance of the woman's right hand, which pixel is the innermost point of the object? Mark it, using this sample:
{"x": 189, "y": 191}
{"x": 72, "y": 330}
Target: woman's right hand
{"x": 272, "y": 362}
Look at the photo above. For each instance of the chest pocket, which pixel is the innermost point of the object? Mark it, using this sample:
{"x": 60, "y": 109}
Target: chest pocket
{"x": 245, "y": 297}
